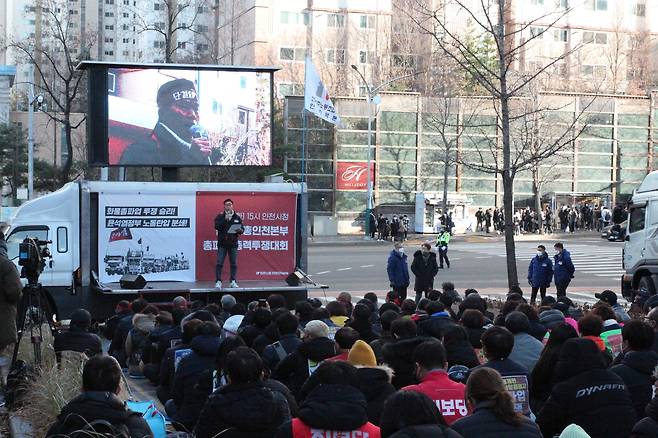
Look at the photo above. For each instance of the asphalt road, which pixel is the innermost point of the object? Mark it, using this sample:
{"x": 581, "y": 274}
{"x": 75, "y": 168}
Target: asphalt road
{"x": 361, "y": 267}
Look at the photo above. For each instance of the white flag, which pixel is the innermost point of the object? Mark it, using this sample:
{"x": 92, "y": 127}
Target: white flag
{"x": 316, "y": 97}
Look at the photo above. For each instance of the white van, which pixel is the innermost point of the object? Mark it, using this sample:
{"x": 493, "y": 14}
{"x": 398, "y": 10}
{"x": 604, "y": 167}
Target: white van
{"x": 640, "y": 254}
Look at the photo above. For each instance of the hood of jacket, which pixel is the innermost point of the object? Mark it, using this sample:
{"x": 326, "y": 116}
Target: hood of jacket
{"x": 334, "y": 407}
{"x": 93, "y": 405}
{"x": 205, "y": 345}
{"x": 144, "y": 323}
{"x": 419, "y": 255}
{"x": 577, "y": 356}
{"x": 420, "y": 431}
{"x": 249, "y": 408}
{"x": 373, "y": 381}
{"x": 643, "y": 362}
{"x": 317, "y": 349}
{"x": 402, "y": 349}
{"x": 397, "y": 254}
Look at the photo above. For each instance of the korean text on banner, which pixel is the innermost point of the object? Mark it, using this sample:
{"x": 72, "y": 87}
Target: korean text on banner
{"x": 266, "y": 249}
{"x": 151, "y": 235}
{"x": 316, "y": 97}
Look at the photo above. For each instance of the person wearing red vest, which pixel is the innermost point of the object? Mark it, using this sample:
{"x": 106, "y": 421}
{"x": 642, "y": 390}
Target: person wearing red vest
{"x": 332, "y": 406}
{"x": 431, "y": 363}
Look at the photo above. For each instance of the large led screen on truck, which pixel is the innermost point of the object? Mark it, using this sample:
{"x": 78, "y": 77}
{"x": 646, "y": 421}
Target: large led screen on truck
{"x": 189, "y": 117}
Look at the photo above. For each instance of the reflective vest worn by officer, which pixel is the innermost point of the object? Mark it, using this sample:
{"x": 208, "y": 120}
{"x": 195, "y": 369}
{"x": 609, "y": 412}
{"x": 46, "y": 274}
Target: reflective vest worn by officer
{"x": 443, "y": 239}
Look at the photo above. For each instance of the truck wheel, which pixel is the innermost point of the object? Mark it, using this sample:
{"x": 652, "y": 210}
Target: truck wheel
{"x": 647, "y": 283}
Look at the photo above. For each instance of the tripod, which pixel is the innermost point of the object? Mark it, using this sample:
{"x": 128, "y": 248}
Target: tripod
{"x": 33, "y": 311}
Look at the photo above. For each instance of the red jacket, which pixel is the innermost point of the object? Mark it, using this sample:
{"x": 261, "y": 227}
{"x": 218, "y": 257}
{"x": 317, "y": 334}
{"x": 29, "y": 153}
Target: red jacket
{"x": 301, "y": 430}
{"x": 448, "y": 395}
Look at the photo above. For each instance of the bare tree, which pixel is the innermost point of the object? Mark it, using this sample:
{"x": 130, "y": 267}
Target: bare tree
{"x": 54, "y": 53}
{"x": 492, "y": 19}
{"x": 174, "y": 21}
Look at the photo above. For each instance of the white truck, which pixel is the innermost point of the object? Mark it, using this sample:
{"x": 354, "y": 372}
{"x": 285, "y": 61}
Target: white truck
{"x": 97, "y": 228}
{"x": 640, "y": 253}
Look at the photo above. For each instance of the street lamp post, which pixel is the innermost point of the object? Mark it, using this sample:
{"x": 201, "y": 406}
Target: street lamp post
{"x": 32, "y": 100}
{"x": 372, "y": 97}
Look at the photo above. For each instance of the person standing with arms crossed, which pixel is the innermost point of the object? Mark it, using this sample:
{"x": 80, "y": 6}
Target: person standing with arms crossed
{"x": 564, "y": 269}
{"x": 228, "y": 226}
{"x": 442, "y": 241}
{"x": 540, "y": 273}
{"x": 398, "y": 271}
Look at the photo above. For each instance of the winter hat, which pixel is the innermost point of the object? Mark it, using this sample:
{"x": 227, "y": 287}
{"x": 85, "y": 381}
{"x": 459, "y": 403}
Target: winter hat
{"x": 607, "y": 296}
{"x": 361, "y": 354}
{"x": 232, "y": 324}
{"x": 551, "y": 318}
{"x": 177, "y": 91}
{"x": 574, "y": 431}
{"x": 316, "y": 329}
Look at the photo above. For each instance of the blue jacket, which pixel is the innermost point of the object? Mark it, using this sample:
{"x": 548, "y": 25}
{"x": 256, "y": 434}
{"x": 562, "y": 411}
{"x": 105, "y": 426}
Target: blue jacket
{"x": 540, "y": 271}
{"x": 564, "y": 268}
{"x": 397, "y": 269}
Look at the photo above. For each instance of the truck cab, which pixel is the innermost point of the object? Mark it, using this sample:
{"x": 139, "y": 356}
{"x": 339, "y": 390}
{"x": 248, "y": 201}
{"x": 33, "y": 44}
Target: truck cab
{"x": 640, "y": 253}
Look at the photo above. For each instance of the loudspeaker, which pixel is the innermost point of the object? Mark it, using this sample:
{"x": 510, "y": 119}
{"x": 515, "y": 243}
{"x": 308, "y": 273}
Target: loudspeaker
{"x": 294, "y": 278}
{"x": 128, "y": 281}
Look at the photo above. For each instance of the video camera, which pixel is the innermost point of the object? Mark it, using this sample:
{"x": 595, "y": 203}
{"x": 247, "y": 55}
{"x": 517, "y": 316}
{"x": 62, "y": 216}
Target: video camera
{"x": 32, "y": 253}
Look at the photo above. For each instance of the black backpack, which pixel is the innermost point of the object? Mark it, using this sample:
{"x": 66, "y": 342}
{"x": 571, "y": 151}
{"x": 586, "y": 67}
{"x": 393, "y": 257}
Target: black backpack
{"x": 100, "y": 429}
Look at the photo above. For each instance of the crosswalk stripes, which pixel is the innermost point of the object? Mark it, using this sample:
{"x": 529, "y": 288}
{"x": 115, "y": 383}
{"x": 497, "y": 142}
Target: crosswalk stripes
{"x": 588, "y": 259}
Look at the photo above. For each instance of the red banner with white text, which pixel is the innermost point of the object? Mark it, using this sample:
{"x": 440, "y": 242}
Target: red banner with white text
{"x": 266, "y": 250}
{"x": 351, "y": 175}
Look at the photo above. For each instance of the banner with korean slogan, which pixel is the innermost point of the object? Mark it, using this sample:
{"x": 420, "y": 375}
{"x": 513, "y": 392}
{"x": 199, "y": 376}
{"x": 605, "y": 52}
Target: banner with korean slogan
{"x": 151, "y": 235}
{"x": 266, "y": 249}
{"x": 316, "y": 97}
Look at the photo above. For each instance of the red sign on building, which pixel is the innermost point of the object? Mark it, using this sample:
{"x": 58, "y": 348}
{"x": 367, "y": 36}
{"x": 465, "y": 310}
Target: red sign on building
{"x": 351, "y": 175}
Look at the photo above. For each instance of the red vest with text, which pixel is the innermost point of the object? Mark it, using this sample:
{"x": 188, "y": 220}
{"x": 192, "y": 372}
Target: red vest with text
{"x": 448, "y": 395}
{"x": 301, "y": 430}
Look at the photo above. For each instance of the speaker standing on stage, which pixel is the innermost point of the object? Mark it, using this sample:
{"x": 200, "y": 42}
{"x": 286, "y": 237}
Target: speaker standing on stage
{"x": 229, "y": 226}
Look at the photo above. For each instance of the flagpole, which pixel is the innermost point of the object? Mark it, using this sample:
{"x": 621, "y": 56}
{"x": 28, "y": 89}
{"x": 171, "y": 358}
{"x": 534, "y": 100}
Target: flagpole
{"x": 303, "y": 145}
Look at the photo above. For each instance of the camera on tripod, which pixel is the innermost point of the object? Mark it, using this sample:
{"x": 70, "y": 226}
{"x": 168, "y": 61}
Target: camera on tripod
{"x": 32, "y": 253}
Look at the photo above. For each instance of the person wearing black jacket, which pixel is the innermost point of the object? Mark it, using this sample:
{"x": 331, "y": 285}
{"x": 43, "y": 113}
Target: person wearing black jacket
{"x": 399, "y": 354}
{"x": 78, "y": 338}
{"x": 647, "y": 427}
{"x": 638, "y": 363}
{"x": 117, "y": 346}
{"x": 287, "y": 325}
{"x": 458, "y": 348}
{"x": 588, "y": 395}
{"x": 121, "y": 310}
{"x": 244, "y": 407}
{"x": 411, "y": 414}
{"x": 316, "y": 347}
{"x": 101, "y": 379}
{"x": 332, "y": 405}
{"x": 425, "y": 268}
{"x": 227, "y": 243}
{"x": 436, "y": 321}
{"x": 186, "y": 402}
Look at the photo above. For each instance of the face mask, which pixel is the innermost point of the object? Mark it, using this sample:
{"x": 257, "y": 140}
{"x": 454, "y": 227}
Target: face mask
{"x": 540, "y": 253}
{"x": 401, "y": 250}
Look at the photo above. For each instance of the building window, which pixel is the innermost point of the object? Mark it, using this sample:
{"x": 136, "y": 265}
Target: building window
{"x": 109, "y": 14}
{"x": 335, "y": 56}
{"x": 561, "y": 35}
{"x": 595, "y": 38}
{"x": 201, "y": 28}
{"x": 73, "y": 12}
{"x": 126, "y": 2}
{"x": 537, "y": 32}
{"x": 181, "y": 45}
{"x": 126, "y": 15}
{"x": 640, "y": 10}
{"x": 158, "y": 44}
{"x": 160, "y": 25}
{"x": 109, "y": 27}
{"x": 289, "y": 89}
{"x": 363, "y": 91}
{"x": 536, "y": 2}
{"x": 201, "y": 9}
{"x": 126, "y": 40}
{"x": 366, "y": 57}
{"x": 597, "y": 71}
{"x": 156, "y": 6}
{"x": 125, "y": 27}
{"x": 287, "y": 17}
{"x": 202, "y": 47}
{"x": 597, "y": 5}
{"x": 109, "y": 40}
{"x": 125, "y": 53}
{"x": 109, "y": 52}
{"x": 562, "y": 4}
{"x": 366, "y": 21}
{"x": 109, "y": 2}
{"x": 336, "y": 20}
{"x": 292, "y": 54}
{"x": 406, "y": 61}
